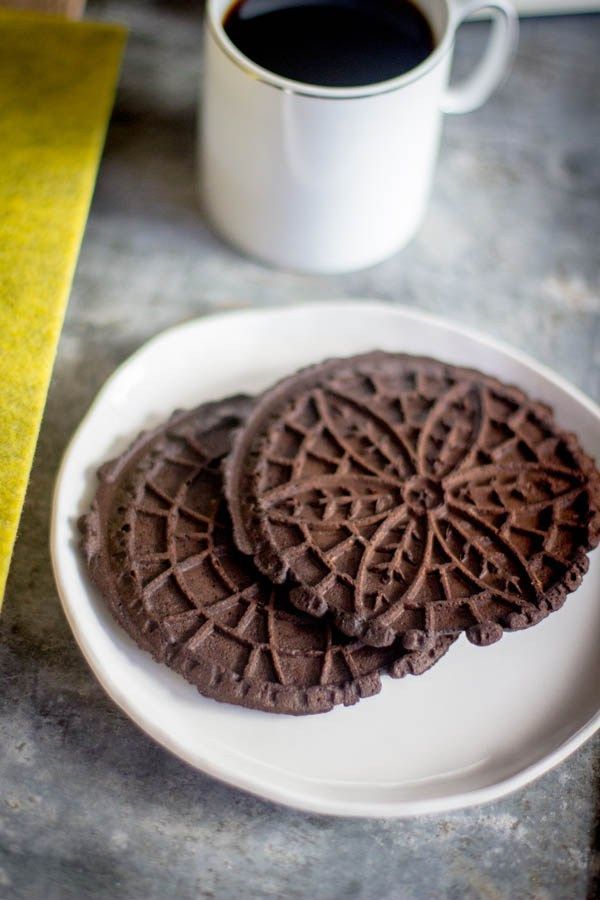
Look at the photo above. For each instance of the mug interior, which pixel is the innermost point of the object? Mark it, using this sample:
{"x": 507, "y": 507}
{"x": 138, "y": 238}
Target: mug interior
{"x": 437, "y": 13}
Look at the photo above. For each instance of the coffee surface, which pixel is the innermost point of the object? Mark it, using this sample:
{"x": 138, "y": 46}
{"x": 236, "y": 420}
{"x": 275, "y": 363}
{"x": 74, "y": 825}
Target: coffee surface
{"x": 339, "y": 43}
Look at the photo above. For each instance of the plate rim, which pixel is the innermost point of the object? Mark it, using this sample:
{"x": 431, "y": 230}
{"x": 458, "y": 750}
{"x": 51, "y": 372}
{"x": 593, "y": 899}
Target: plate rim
{"x": 256, "y": 785}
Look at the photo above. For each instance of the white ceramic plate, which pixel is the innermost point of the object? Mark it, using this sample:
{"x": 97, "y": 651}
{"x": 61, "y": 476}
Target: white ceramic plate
{"x": 481, "y": 723}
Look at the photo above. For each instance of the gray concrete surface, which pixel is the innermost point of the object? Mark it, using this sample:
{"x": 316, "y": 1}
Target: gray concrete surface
{"x": 89, "y": 806}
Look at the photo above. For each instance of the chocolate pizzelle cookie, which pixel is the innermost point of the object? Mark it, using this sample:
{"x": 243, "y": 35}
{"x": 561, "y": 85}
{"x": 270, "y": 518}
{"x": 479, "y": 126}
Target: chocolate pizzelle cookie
{"x": 158, "y": 544}
{"x": 412, "y": 498}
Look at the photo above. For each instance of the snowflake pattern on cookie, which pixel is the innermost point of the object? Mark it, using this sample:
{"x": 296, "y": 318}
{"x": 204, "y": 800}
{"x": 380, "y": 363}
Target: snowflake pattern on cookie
{"x": 409, "y": 497}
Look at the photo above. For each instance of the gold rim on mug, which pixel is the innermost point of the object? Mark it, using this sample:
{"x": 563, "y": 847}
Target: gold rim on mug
{"x": 214, "y": 20}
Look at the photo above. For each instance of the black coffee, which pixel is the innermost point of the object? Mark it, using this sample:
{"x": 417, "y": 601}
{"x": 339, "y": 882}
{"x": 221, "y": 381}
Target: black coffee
{"x": 338, "y": 43}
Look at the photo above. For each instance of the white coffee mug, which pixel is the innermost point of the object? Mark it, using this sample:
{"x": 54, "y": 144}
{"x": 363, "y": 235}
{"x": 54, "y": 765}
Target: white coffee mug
{"x": 321, "y": 179}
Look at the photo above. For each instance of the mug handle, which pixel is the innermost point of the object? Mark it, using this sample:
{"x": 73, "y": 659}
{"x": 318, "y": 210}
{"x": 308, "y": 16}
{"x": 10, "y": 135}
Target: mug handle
{"x": 495, "y": 64}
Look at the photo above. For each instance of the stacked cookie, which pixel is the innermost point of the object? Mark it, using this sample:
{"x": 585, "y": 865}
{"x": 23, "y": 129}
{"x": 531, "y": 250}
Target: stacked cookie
{"x": 281, "y": 552}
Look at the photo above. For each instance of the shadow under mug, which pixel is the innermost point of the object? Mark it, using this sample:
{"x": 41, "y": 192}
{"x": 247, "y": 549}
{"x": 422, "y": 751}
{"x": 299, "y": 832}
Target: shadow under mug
{"x": 321, "y": 179}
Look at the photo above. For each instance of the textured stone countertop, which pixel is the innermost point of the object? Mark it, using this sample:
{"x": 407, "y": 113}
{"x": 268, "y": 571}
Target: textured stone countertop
{"x": 91, "y": 807}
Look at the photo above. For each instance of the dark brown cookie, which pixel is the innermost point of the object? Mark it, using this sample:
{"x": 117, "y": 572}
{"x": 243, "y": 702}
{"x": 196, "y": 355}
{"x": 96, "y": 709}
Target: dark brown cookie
{"x": 409, "y": 497}
{"x": 158, "y": 544}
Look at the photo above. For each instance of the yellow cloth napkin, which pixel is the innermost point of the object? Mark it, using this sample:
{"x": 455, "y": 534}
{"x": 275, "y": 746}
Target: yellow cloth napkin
{"x": 57, "y": 83}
